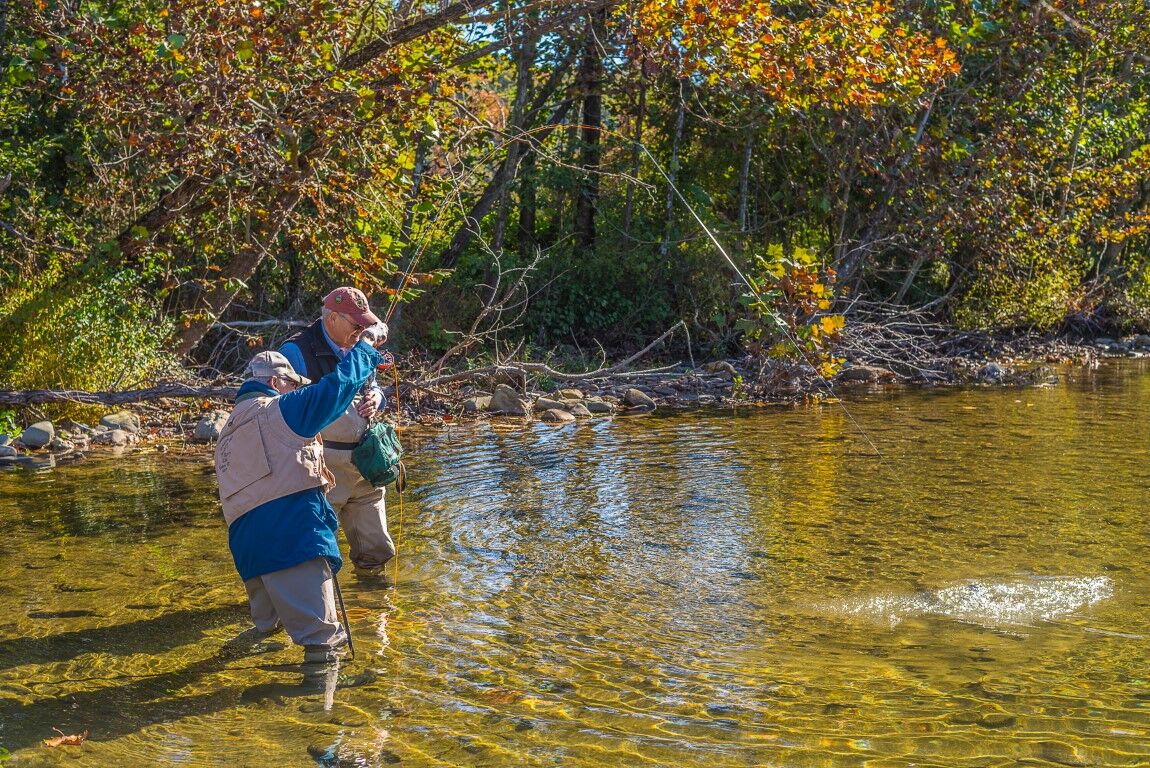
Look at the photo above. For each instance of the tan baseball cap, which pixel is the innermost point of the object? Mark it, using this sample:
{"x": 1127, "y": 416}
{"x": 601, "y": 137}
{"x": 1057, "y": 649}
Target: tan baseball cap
{"x": 268, "y": 364}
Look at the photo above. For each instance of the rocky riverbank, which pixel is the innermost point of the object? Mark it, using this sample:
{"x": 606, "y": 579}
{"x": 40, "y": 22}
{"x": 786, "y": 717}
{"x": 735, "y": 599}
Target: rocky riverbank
{"x": 745, "y": 381}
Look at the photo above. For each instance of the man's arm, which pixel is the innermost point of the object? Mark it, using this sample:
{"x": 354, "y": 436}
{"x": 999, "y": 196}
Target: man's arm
{"x": 309, "y": 409}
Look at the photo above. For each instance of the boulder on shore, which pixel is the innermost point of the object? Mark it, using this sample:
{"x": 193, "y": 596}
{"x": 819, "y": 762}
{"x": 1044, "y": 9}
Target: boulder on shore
{"x": 578, "y": 410}
{"x": 570, "y": 394}
{"x": 37, "y": 435}
{"x": 864, "y": 374}
{"x": 117, "y": 438}
{"x": 505, "y": 401}
{"x": 477, "y": 403}
{"x": 596, "y": 405}
{"x": 636, "y": 398}
{"x": 125, "y": 420}
{"x": 209, "y": 426}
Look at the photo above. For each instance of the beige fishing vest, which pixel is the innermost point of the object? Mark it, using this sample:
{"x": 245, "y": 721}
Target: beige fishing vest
{"x": 259, "y": 458}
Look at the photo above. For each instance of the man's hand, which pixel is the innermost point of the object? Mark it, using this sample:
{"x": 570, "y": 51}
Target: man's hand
{"x": 370, "y": 403}
{"x": 375, "y": 335}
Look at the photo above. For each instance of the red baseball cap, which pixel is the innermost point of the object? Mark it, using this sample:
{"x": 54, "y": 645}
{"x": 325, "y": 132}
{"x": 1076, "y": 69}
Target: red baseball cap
{"x": 351, "y": 302}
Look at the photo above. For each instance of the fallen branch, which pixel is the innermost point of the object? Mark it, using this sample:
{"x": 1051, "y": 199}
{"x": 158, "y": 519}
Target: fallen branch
{"x": 262, "y": 324}
{"x": 546, "y": 370}
{"x": 9, "y": 397}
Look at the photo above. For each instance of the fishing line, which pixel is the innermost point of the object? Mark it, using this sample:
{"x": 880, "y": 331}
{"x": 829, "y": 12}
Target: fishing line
{"x": 826, "y": 384}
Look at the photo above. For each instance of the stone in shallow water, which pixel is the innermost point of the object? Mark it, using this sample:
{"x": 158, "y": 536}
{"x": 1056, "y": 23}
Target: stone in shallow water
{"x": 556, "y": 416}
{"x": 1061, "y": 753}
{"x": 506, "y": 401}
{"x": 998, "y": 720}
{"x": 38, "y": 435}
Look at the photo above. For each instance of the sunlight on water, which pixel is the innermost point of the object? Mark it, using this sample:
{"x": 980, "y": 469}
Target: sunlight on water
{"x": 990, "y": 603}
{"x": 696, "y": 590}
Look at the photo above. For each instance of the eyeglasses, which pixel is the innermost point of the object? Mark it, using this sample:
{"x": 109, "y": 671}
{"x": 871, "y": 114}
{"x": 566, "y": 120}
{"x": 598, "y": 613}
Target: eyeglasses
{"x": 358, "y": 328}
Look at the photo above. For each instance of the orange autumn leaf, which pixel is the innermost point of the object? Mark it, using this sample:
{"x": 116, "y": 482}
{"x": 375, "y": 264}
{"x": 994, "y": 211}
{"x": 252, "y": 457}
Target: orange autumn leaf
{"x": 65, "y": 740}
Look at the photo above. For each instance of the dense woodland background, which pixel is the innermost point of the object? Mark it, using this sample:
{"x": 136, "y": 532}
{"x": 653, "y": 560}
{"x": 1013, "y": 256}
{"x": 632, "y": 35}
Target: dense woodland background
{"x": 167, "y": 164}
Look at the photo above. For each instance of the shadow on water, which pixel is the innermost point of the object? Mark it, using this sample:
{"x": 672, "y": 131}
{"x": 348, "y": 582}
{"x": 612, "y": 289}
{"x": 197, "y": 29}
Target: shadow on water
{"x": 149, "y": 636}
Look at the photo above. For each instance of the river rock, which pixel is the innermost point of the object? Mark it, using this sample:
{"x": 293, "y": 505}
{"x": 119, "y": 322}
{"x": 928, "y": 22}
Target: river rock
{"x": 664, "y": 390}
{"x": 37, "y": 435}
{"x": 506, "y": 401}
{"x": 635, "y": 398}
{"x": 556, "y": 416}
{"x": 7, "y": 451}
{"x": 578, "y": 410}
{"x": 1060, "y": 752}
{"x": 59, "y": 444}
{"x": 209, "y": 426}
{"x": 477, "y": 404}
{"x": 721, "y": 366}
{"x": 570, "y": 394}
{"x": 864, "y": 374}
{"x": 125, "y": 420}
{"x": 596, "y": 405}
{"x": 5, "y": 439}
{"x": 991, "y": 373}
{"x": 75, "y": 427}
{"x": 547, "y": 404}
{"x": 1142, "y": 341}
{"x": 117, "y": 438}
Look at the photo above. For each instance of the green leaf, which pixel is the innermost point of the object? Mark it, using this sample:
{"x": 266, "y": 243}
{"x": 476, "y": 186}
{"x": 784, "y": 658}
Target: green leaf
{"x": 176, "y": 41}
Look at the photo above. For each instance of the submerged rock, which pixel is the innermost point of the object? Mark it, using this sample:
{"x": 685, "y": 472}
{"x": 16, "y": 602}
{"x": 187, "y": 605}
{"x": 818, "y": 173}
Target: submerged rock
{"x": 37, "y": 435}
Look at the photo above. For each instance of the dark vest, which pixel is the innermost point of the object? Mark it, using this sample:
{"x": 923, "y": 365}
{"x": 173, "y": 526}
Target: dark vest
{"x": 317, "y": 353}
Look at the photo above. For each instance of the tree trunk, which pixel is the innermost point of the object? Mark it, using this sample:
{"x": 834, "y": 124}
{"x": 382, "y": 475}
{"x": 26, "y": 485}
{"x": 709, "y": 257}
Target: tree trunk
{"x": 525, "y": 60}
{"x": 469, "y": 229}
{"x": 745, "y": 181}
{"x": 234, "y": 276}
{"x": 527, "y": 240}
{"x": 673, "y": 177}
{"x": 636, "y": 150}
{"x": 591, "y": 86}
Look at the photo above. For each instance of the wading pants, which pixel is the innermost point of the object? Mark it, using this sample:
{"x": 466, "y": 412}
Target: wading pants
{"x": 362, "y": 513}
{"x": 302, "y": 599}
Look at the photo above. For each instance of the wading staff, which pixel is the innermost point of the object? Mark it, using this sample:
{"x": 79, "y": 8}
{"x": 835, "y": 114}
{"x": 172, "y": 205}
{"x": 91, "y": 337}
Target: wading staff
{"x": 343, "y": 615}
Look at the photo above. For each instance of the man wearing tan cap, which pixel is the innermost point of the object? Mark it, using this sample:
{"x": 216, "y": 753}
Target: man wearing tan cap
{"x": 316, "y": 351}
{"x": 273, "y": 479}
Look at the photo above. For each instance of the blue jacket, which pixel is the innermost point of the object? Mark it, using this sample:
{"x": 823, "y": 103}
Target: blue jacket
{"x": 293, "y": 529}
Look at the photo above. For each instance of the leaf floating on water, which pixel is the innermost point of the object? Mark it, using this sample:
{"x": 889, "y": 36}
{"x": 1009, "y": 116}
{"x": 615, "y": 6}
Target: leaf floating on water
{"x": 65, "y": 740}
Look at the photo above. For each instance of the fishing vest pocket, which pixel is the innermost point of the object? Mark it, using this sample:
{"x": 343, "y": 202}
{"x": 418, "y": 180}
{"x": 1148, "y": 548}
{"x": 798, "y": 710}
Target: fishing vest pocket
{"x": 241, "y": 459}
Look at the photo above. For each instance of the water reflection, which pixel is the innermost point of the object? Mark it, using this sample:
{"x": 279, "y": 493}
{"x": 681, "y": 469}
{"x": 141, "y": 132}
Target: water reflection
{"x": 965, "y": 585}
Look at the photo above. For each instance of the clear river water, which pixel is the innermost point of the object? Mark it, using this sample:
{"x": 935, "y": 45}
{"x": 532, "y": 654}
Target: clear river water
{"x": 938, "y": 578}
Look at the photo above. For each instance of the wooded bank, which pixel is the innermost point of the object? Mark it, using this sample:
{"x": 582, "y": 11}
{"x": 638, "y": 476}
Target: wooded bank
{"x": 543, "y": 176}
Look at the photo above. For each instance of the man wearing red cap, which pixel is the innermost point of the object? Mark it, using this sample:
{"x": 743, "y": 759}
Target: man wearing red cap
{"x": 316, "y": 351}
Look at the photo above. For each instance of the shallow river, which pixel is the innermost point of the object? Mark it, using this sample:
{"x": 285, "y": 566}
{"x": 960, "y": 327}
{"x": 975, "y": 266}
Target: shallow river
{"x": 749, "y": 588}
